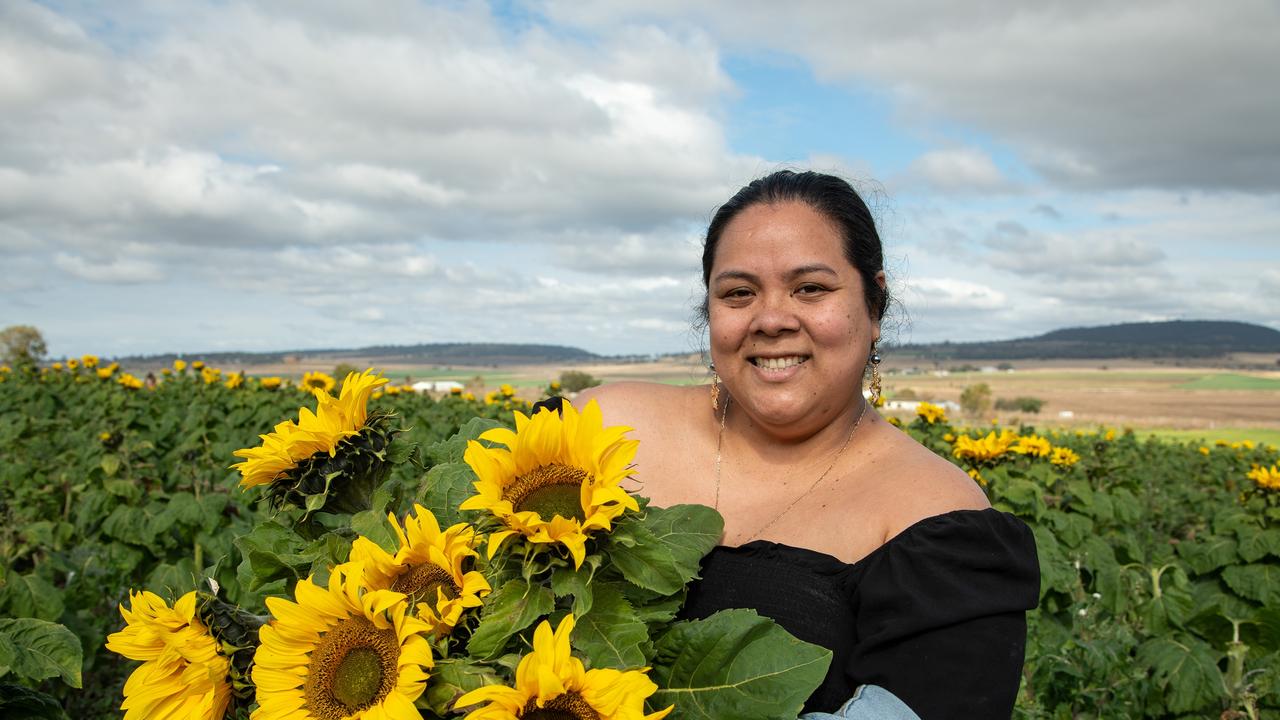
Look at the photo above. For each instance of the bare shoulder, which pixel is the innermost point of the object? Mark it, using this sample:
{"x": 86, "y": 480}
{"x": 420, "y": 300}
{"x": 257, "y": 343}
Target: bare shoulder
{"x": 917, "y": 483}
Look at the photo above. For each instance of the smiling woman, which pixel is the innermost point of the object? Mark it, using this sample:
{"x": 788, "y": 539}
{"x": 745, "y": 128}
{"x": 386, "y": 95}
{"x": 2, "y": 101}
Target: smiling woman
{"x": 841, "y": 528}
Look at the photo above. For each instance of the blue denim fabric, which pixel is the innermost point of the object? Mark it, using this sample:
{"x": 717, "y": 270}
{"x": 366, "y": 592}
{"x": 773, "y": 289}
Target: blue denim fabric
{"x": 869, "y": 702}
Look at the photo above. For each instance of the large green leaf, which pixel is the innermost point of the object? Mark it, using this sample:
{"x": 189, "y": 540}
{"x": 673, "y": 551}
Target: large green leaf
{"x": 30, "y": 596}
{"x": 735, "y": 664}
{"x": 1256, "y": 544}
{"x": 662, "y": 550}
{"x": 1186, "y": 669}
{"x": 42, "y": 649}
{"x": 510, "y": 609}
{"x": 1209, "y": 554}
{"x": 444, "y": 488}
{"x": 451, "y": 679}
{"x": 453, "y": 449}
{"x": 1259, "y": 581}
{"x": 611, "y": 635}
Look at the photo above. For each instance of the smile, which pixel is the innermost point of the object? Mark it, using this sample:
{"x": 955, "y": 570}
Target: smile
{"x": 779, "y": 363}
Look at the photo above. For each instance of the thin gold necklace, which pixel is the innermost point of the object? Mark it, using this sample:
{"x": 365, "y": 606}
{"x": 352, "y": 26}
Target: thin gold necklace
{"x": 787, "y": 509}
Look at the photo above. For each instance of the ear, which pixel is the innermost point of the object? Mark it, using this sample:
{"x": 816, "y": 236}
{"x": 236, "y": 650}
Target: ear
{"x": 883, "y": 283}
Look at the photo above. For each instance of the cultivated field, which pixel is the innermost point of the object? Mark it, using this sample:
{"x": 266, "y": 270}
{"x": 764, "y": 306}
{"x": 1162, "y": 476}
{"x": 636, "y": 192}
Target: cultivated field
{"x": 1184, "y": 401}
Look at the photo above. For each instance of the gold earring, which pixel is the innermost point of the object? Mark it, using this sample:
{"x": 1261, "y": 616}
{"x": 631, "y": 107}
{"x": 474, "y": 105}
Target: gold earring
{"x": 715, "y": 389}
{"x": 875, "y": 376}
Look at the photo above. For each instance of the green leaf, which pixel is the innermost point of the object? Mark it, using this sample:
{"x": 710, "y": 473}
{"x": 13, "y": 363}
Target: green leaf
{"x": 444, "y": 488}
{"x": 1205, "y": 556}
{"x": 1185, "y": 668}
{"x": 1172, "y": 607}
{"x": 17, "y": 701}
{"x": 1072, "y": 528}
{"x": 451, "y": 679}
{"x": 1057, "y": 572}
{"x": 43, "y": 650}
{"x": 566, "y": 582}
{"x": 110, "y": 465}
{"x": 271, "y": 552}
{"x": 611, "y": 635}
{"x": 30, "y": 596}
{"x": 453, "y": 449}
{"x": 400, "y": 450}
{"x": 735, "y": 664}
{"x": 1259, "y": 582}
{"x": 1256, "y": 544}
{"x": 662, "y": 551}
{"x": 1023, "y": 495}
{"x": 373, "y": 525}
{"x": 510, "y": 609}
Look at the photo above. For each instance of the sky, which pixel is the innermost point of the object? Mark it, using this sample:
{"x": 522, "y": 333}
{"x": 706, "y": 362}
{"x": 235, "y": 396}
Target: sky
{"x": 217, "y": 176}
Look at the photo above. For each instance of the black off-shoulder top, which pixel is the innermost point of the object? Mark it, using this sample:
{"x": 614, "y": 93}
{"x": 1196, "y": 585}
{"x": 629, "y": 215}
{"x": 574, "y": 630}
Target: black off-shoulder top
{"x": 936, "y": 615}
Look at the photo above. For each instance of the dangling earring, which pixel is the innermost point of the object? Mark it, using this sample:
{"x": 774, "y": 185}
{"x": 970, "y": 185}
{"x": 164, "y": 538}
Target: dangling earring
{"x": 715, "y": 387}
{"x": 875, "y": 376}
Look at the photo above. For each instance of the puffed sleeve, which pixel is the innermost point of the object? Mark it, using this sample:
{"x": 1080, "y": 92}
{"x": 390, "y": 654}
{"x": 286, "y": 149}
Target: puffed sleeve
{"x": 940, "y": 614}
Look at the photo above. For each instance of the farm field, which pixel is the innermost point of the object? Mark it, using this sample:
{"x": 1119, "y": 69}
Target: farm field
{"x": 1221, "y": 404}
{"x": 1159, "y": 557}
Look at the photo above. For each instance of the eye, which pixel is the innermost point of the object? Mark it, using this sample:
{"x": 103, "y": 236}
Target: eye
{"x": 738, "y": 293}
{"x": 810, "y": 289}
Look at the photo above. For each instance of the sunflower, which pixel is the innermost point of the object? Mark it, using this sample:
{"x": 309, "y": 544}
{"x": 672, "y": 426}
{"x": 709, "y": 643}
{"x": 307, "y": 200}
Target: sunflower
{"x": 89, "y": 361}
{"x": 182, "y": 674}
{"x": 344, "y": 652}
{"x": 105, "y": 373}
{"x": 320, "y": 432}
{"x": 270, "y": 382}
{"x": 931, "y": 413}
{"x": 234, "y": 380}
{"x": 556, "y": 480}
{"x": 318, "y": 381}
{"x": 1032, "y": 445}
{"x": 1064, "y": 457}
{"x": 427, "y": 568}
{"x": 1266, "y": 477}
{"x": 551, "y": 684}
{"x": 179, "y": 365}
{"x": 129, "y": 381}
{"x": 987, "y": 448}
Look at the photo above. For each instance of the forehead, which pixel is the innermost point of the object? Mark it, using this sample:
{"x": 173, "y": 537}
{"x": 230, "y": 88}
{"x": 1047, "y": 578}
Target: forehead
{"x": 779, "y": 237}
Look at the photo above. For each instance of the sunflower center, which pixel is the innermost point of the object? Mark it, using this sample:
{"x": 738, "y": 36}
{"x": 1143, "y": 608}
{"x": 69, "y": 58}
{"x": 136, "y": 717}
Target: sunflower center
{"x": 422, "y": 581}
{"x": 549, "y": 490}
{"x": 352, "y": 668}
{"x": 567, "y": 706}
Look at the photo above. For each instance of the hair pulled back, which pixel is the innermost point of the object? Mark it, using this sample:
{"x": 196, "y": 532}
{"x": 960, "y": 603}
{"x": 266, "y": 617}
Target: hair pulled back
{"x": 827, "y": 194}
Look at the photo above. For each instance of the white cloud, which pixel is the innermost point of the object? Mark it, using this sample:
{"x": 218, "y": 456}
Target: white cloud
{"x": 1172, "y": 94}
{"x": 958, "y": 171}
{"x": 118, "y": 270}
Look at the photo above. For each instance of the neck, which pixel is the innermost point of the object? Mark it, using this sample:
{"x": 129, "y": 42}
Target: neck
{"x": 785, "y": 444}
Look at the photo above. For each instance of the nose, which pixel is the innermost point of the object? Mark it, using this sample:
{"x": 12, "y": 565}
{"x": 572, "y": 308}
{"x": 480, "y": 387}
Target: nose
{"x": 774, "y": 316}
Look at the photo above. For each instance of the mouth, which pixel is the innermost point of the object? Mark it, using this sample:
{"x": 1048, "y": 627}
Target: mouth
{"x": 779, "y": 363}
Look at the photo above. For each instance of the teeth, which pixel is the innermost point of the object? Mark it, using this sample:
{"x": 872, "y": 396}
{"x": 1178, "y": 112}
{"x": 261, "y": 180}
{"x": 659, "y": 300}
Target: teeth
{"x": 779, "y": 363}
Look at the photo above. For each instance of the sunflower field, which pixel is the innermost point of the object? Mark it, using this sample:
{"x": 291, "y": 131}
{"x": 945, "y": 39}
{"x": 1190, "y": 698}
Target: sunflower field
{"x": 211, "y": 543}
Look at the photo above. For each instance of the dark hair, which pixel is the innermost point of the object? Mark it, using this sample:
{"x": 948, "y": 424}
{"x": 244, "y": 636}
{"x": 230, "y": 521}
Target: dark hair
{"x": 827, "y": 194}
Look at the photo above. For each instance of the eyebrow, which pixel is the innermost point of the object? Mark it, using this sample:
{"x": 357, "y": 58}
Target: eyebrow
{"x": 794, "y": 273}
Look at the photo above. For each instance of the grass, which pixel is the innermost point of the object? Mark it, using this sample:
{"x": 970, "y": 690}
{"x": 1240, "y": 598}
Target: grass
{"x": 1269, "y": 436}
{"x": 1230, "y": 381}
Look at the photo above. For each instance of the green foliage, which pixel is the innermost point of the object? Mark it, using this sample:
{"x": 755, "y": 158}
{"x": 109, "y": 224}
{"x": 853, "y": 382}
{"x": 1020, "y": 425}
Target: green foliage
{"x": 976, "y": 399}
{"x": 577, "y": 380}
{"x": 767, "y": 671}
{"x": 1021, "y": 404}
{"x": 1160, "y": 561}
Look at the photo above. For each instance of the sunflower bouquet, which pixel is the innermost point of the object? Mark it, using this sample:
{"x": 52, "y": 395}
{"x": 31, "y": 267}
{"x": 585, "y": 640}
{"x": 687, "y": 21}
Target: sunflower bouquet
{"x": 513, "y": 577}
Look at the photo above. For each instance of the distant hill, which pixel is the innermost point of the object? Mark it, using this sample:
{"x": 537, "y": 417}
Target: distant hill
{"x": 1171, "y": 339}
{"x": 465, "y": 354}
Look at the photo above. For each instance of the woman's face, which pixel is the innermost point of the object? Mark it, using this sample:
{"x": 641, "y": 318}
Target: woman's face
{"x": 790, "y": 330}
